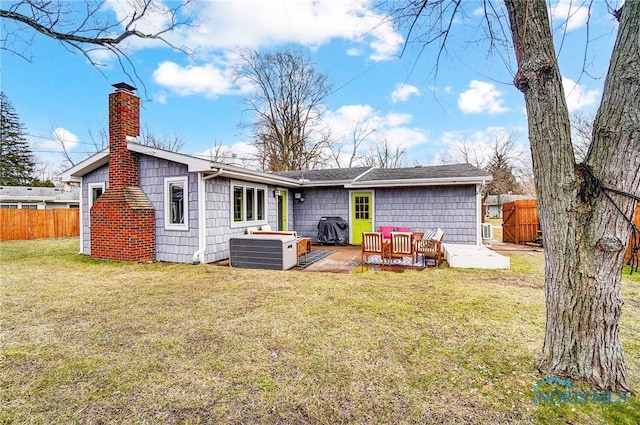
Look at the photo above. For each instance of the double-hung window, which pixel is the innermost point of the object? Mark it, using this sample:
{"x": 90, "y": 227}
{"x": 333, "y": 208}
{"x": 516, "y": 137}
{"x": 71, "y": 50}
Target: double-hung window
{"x": 248, "y": 204}
{"x": 176, "y": 203}
{"x": 95, "y": 190}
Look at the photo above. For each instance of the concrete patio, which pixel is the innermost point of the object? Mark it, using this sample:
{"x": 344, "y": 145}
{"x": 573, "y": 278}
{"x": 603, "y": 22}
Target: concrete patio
{"x": 474, "y": 257}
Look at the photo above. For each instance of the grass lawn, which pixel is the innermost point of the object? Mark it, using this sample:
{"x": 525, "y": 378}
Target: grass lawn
{"x": 88, "y": 341}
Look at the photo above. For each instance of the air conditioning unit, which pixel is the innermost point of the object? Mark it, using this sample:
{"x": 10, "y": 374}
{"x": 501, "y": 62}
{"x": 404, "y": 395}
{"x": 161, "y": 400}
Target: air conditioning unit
{"x": 487, "y": 231}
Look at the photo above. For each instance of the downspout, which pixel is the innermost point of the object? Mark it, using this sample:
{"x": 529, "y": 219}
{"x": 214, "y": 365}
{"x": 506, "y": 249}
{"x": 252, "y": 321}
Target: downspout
{"x": 479, "y": 212}
{"x": 81, "y": 224}
{"x": 198, "y": 256}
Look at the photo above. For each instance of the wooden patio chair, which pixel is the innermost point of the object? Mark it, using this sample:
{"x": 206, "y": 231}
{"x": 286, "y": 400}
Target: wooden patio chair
{"x": 402, "y": 246}
{"x": 431, "y": 247}
{"x": 372, "y": 244}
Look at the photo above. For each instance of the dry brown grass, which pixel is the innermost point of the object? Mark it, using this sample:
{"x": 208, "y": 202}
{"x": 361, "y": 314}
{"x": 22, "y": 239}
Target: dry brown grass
{"x": 106, "y": 342}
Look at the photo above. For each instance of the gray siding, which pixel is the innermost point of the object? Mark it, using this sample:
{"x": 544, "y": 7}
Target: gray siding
{"x": 97, "y": 176}
{"x": 451, "y": 208}
{"x": 175, "y": 246}
{"x": 318, "y": 203}
{"x": 218, "y": 217}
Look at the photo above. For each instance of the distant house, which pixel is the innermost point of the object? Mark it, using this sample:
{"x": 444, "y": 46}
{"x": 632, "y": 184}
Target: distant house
{"x": 40, "y": 198}
{"x": 493, "y": 203}
{"x": 140, "y": 203}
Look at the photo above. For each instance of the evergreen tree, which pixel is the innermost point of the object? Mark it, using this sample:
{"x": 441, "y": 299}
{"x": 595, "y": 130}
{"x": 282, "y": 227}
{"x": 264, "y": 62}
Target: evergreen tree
{"x": 16, "y": 159}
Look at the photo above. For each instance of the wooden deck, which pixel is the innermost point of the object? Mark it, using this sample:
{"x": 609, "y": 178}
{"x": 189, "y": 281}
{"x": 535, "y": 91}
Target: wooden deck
{"x": 346, "y": 259}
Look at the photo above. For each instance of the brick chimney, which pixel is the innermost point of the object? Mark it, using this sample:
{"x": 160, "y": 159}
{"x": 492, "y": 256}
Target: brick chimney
{"x": 122, "y": 218}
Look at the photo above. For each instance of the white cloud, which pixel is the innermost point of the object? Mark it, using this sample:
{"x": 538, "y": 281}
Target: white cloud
{"x": 156, "y": 15}
{"x": 207, "y": 80}
{"x": 571, "y": 13}
{"x": 403, "y": 92}
{"x": 478, "y": 144}
{"x": 59, "y": 137}
{"x": 576, "y": 95}
{"x": 225, "y": 25}
{"x": 374, "y": 127}
{"x": 161, "y": 98}
{"x": 481, "y": 97}
{"x": 49, "y": 151}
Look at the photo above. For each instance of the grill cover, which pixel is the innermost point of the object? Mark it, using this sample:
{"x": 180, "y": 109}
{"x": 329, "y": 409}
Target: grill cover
{"x": 332, "y": 230}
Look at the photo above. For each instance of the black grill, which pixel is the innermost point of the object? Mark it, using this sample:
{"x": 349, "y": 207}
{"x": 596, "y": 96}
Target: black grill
{"x": 332, "y": 230}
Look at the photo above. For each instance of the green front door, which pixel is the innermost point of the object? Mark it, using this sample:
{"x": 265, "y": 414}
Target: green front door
{"x": 361, "y": 215}
{"x": 281, "y": 200}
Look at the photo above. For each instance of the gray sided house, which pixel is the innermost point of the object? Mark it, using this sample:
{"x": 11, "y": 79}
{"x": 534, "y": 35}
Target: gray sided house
{"x": 423, "y": 198}
{"x": 197, "y": 205}
{"x": 38, "y": 198}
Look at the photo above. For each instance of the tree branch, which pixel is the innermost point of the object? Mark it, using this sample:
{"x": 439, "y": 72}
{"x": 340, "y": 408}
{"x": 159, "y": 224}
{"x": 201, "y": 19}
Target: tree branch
{"x": 85, "y": 30}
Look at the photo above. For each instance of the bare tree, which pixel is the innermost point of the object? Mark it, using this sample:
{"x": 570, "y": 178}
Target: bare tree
{"x": 502, "y": 164}
{"x": 383, "y": 155}
{"x": 582, "y": 126}
{"x": 287, "y": 98}
{"x": 503, "y": 159}
{"x": 83, "y": 27}
{"x": 584, "y": 209}
{"x": 167, "y": 143}
{"x": 362, "y": 130}
{"x": 470, "y": 154}
{"x": 59, "y": 139}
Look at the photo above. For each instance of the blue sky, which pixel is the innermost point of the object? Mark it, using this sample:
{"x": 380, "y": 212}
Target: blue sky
{"x": 60, "y": 96}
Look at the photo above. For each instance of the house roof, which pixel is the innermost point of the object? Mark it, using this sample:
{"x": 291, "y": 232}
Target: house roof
{"x": 347, "y": 177}
{"x": 38, "y": 194}
{"x": 335, "y": 174}
{"x": 328, "y": 177}
{"x": 430, "y": 172}
{"x": 412, "y": 176}
{"x": 193, "y": 163}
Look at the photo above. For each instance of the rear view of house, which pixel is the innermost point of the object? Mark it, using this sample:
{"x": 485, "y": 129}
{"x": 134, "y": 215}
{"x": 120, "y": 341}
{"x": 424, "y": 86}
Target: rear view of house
{"x": 140, "y": 203}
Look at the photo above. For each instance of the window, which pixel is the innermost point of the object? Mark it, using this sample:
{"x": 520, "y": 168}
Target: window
{"x": 9, "y": 206}
{"x": 260, "y": 204}
{"x": 248, "y": 204}
{"x": 176, "y": 203}
{"x": 238, "y": 194}
{"x": 29, "y": 206}
{"x": 362, "y": 207}
{"x": 250, "y": 199}
{"x": 95, "y": 190}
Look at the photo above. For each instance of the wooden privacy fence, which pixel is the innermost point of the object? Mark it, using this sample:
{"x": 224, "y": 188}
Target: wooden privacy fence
{"x": 520, "y": 221}
{"x": 637, "y": 222}
{"x": 36, "y": 224}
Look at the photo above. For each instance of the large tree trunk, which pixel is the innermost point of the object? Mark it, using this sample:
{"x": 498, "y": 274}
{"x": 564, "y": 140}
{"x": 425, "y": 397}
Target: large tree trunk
{"x": 584, "y": 234}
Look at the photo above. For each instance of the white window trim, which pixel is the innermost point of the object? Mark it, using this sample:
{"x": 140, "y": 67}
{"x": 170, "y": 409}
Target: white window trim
{"x": 245, "y": 223}
{"x": 184, "y": 180}
{"x": 90, "y": 188}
